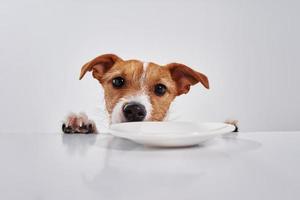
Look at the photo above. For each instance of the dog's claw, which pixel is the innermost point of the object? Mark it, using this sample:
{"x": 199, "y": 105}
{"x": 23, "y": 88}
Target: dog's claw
{"x": 63, "y": 127}
{"x": 66, "y": 129}
{"x": 234, "y": 123}
{"x": 78, "y": 124}
{"x": 90, "y": 128}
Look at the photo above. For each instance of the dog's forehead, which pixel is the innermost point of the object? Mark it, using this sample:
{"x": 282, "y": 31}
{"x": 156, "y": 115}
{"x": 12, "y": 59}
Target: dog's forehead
{"x": 153, "y": 70}
{"x": 141, "y": 69}
{"x": 128, "y": 66}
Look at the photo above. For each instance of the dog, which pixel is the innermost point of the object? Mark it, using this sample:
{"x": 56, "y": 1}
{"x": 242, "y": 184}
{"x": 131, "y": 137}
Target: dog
{"x": 135, "y": 90}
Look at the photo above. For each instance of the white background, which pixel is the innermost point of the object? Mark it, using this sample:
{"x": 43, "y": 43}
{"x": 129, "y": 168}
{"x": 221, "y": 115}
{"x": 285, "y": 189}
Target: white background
{"x": 248, "y": 49}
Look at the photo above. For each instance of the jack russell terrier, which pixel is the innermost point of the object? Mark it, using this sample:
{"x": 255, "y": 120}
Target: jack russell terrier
{"x": 135, "y": 90}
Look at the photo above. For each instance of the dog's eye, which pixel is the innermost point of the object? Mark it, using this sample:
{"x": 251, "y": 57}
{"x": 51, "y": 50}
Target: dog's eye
{"x": 160, "y": 89}
{"x": 118, "y": 82}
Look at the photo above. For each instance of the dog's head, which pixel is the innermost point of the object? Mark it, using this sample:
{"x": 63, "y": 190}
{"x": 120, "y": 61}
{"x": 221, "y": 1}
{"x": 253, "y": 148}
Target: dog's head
{"x": 139, "y": 91}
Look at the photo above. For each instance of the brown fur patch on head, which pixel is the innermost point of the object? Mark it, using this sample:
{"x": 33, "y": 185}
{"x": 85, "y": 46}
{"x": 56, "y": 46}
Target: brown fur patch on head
{"x": 156, "y": 74}
{"x": 131, "y": 71}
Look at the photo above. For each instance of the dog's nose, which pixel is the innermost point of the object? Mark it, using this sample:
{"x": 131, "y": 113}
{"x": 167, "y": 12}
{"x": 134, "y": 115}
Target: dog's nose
{"x": 134, "y": 112}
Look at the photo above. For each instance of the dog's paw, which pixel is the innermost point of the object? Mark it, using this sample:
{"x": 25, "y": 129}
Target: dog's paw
{"x": 234, "y": 123}
{"x": 78, "y": 123}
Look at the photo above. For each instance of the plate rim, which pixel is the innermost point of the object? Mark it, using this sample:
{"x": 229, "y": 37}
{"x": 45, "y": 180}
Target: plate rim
{"x": 227, "y": 128}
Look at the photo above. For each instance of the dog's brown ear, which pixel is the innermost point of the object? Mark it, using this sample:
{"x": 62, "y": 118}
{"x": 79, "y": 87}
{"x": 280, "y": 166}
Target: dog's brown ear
{"x": 99, "y": 65}
{"x": 185, "y": 77}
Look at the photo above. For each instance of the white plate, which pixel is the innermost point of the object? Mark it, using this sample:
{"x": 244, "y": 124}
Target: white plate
{"x": 169, "y": 134}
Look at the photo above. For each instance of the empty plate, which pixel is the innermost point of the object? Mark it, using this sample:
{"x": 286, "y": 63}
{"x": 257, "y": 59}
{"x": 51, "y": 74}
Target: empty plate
{"x": 169, "y": 134}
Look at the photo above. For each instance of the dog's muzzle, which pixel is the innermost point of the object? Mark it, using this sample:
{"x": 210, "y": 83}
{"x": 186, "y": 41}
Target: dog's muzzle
{"x": 134, "y": 112}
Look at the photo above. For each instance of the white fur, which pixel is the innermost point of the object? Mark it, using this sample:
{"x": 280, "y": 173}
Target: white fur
{"x": 145, "y": 66}
{"x": 142, "y": 98}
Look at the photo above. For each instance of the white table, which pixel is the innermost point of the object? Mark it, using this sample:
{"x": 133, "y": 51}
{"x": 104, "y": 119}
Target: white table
{"x": 262, "y": 165}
